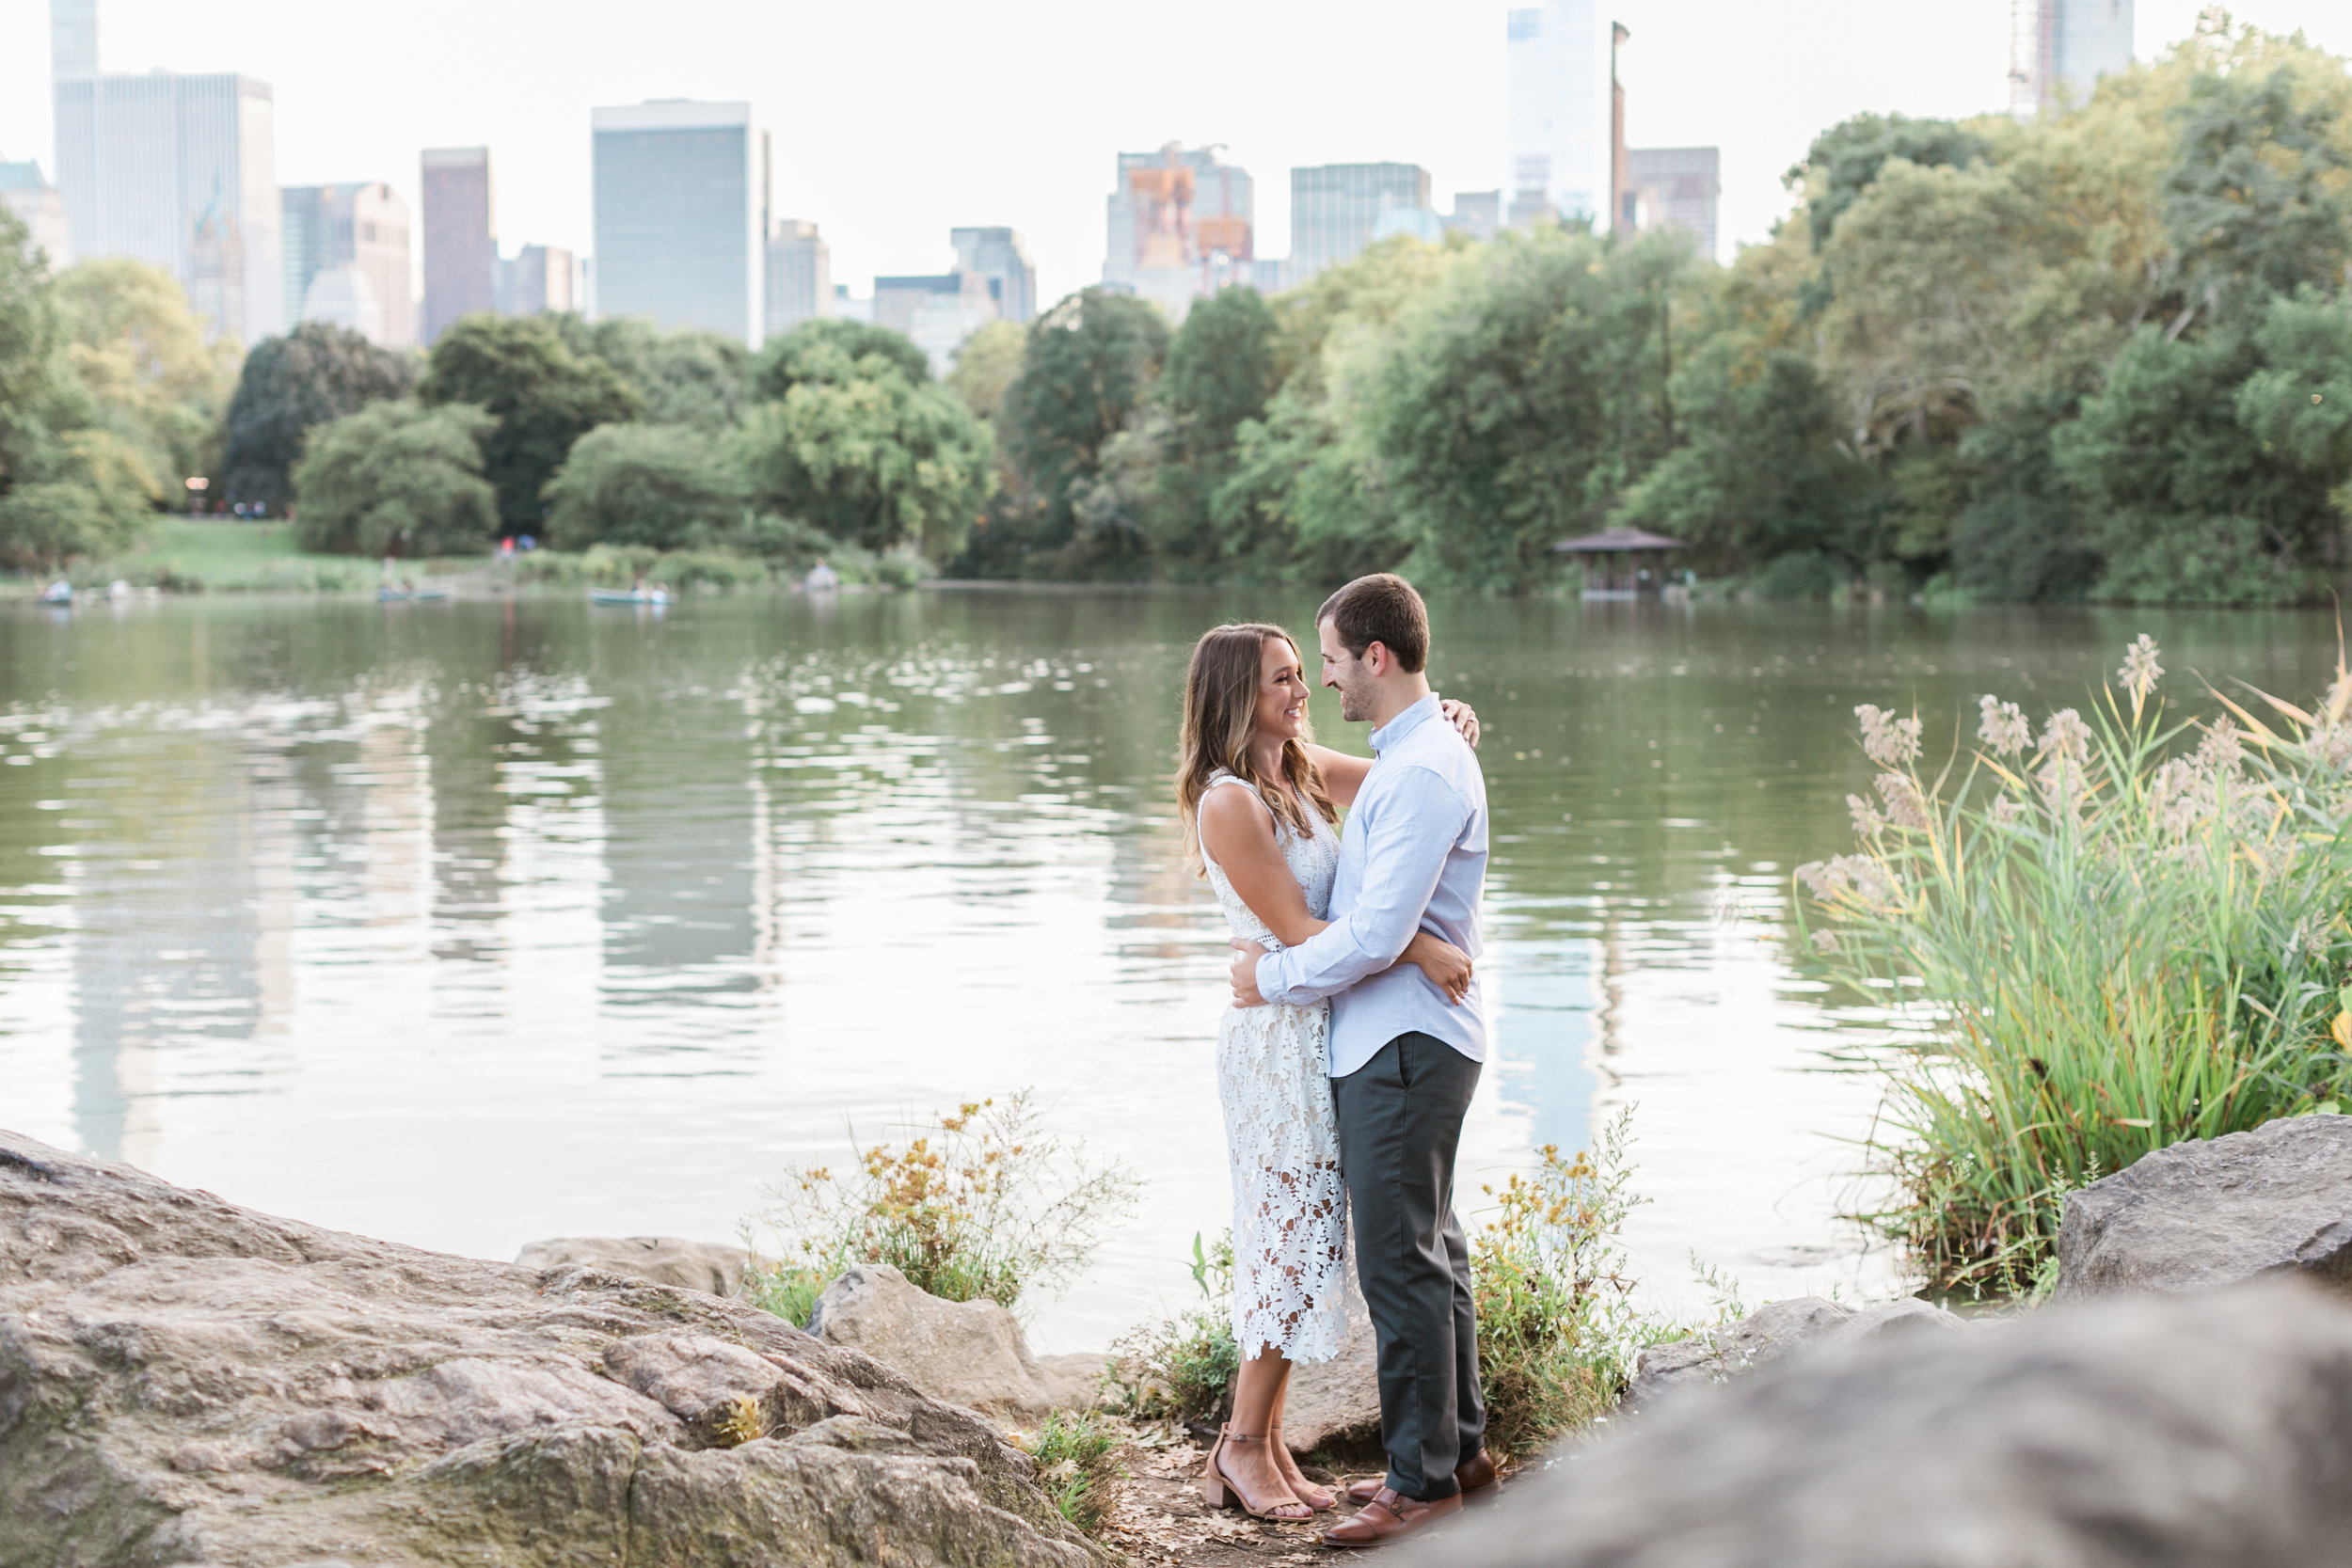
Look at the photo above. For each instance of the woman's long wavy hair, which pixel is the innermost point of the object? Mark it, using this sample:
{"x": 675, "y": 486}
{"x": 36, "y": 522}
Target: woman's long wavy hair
{"x": 1221, "y": 721}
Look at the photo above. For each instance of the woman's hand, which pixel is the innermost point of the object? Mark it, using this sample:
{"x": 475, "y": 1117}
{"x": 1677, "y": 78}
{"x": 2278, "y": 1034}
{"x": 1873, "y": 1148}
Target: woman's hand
{"x": 1447, "y": 966}
{"x": 1462, "y": 717}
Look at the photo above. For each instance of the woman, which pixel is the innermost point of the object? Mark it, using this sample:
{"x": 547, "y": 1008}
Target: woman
{"x": 1259, "y": 801}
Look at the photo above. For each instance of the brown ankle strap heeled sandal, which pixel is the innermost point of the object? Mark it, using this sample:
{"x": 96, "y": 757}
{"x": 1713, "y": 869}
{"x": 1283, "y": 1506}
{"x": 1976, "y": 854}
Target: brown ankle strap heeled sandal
{"x": 1316, "y": 1497}
{"x": 1218, "y": 1490}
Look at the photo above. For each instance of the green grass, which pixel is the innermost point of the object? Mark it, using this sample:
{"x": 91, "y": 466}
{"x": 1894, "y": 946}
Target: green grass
{"x": 189, "y": 555}
{"x": 2115, "y": 938}
{"x": 1078, "y": 1464}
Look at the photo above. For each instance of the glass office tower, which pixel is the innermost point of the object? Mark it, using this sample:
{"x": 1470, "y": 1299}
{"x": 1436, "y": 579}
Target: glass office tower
{"x": 678, "y": 219}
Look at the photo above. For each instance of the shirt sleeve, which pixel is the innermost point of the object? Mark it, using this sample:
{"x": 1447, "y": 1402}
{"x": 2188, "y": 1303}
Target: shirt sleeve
{"x": 1408, "y": 830}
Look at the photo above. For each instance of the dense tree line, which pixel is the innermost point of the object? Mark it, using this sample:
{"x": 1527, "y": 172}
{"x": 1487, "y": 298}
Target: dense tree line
{"x": 2107, "y": 354}
{"x": 2104, "y": 354}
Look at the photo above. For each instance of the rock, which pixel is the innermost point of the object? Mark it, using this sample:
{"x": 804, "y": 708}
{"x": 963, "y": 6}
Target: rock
{"x": 1337, "y": 1400}
{"x": 967, "y": 1352}
{"x": 185, "y": 1381}
{"x": 1075, "y": 1379}
{"x": 2212, "y": 1211}
{"x": 710, "y": 1266}
{"x": 1773, "y": 1330}
{"x": 2118, "y": 1434}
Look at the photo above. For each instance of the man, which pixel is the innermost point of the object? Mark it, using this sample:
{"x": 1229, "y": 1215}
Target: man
{"x": 1404, "y": 1061}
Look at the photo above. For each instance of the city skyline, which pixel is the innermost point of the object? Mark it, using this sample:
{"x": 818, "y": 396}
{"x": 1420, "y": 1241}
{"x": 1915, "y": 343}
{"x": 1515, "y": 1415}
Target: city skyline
{"x": 1401, "y": 85}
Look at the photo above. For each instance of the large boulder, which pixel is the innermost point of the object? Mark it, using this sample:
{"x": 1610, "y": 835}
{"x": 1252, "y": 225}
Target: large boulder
{"x": 967, "y": 1352}
{"x": 2212, "y": 1211}
{"x": 1337, "y": 1400}
{"x": 185, "y": 1381}
{"x": 709, "y": 1266}
{"x": 1773, "y": 1330}
{"x": 2122, "y": 1433}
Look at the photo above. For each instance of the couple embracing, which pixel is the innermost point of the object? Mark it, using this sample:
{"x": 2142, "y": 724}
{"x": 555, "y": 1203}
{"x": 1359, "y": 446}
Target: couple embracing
{"x": 1349, "y": 1056}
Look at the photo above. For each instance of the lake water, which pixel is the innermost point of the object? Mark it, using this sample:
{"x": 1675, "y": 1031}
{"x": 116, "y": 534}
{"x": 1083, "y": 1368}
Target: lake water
{"x": 474, "y": 923}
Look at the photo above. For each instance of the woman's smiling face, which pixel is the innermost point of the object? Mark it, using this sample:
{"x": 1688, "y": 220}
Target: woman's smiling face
{"x": 1281, "y": 691}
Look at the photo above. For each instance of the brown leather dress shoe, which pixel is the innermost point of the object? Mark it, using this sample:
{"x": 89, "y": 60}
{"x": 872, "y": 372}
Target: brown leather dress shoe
{"x": 1388, "y": 1517}
{"x": 1475, "y": 1474}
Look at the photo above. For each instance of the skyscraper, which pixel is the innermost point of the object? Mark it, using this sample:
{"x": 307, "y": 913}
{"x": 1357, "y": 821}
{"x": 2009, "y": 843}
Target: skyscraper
{"x": 1335, "y": 209}
{"x": 939, "y": 312}
{"x": 799, "y": 278}
{"x": 360, "y": 230}
{"x": 73, "y": 38}
{"x": 1180, "y": 223}
{"x": 2059, "y": 49}
{"x": 678, "y": 216}
{"x": 1000, "y": 259}
{"x": 1676, "y": 185}
{"x": 536, "y": 278}
{"x": 1559, "y": 111}
{"x": 178, "y": 172}
{"x": 461, "y": 247}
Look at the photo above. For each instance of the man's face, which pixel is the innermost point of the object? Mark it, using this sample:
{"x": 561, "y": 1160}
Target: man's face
{"x": 1347, "y": 674}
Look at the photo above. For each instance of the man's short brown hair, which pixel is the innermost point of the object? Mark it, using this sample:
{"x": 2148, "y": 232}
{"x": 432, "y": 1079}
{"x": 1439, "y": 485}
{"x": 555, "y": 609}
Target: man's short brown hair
{"x": 1380, "y": 608}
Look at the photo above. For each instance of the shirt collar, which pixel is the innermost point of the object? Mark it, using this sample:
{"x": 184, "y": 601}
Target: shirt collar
{"x": 1404, "y": 724}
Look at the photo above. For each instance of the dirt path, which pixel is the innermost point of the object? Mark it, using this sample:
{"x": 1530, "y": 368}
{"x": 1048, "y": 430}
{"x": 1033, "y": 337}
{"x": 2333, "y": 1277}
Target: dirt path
{"x": 1160, "y": 1521}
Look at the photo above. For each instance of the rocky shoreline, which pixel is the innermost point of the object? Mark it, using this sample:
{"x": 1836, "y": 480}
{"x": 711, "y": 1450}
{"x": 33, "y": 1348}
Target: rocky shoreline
{"x": 185, "y": 1384}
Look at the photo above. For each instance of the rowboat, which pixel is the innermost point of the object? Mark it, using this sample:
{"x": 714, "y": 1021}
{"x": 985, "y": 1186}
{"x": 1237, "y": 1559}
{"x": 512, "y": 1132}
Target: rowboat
{"x": 628, "y": 595}
{"x": 390, "y": 595}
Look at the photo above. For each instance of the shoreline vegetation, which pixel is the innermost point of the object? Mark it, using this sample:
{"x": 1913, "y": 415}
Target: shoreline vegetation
{"x": 2096, "y": 356}
{"x": 2126, "y": 931}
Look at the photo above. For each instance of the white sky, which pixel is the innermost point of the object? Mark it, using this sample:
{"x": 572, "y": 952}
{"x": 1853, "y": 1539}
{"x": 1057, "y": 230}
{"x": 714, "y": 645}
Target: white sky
{"x": 893, "y": 124}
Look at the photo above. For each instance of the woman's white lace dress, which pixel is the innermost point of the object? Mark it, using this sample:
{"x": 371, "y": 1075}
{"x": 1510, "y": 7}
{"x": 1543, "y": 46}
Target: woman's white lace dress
{"x": 1290, "y": 1211}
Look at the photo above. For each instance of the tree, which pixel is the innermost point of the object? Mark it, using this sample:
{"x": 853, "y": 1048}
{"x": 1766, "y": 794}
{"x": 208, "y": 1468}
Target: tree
{"x": 138, "y": 351}
{"x": 876, "y": 459}
{"x": 542, "y": 396}
{"x": 1523, "y": 395}
{"x": 1221, "y": 371}
{"x": 986, "y": 365}
{"x": 28, "y": 349}
{"x": 2260, "y": 197}
{"x": 1846, "y": 158}
{"x": 2299, "y": 405}
{"x": 659, "y": 485}
{"x": 826, "y": 349}
{"x": 1089, "y": 367}
{"x": 316, "y": 374}
{"x": 89, "y": 494}
{"x": 681, "y": 376}
{"x": 398, "y": 478}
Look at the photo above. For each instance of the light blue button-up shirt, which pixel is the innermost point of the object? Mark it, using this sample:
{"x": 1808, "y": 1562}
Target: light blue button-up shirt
{"x": 1413, "y": 857}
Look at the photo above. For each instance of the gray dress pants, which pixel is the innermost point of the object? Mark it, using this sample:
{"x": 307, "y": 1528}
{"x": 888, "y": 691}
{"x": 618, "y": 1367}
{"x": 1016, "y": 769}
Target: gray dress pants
{"x": 1399, "y": 1119}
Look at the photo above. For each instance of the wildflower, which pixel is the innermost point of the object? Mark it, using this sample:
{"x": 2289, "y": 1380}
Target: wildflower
{"x": 1870, "y": 880}
{"x": 1815, "y": 875}
{"x": 2176, "y": 795}
{"x": 2221, "y": 751}
{"x": 2007, "y": 810}
{"x": 2140, "y": 670}
{"x": 1905, "y": 806}
{"x": 2066, "y": 737}
{"x": 1826, "y": 942}
{"x": 2004, "y": 728}
{"x": 1867, "y": 819}
{"x": 1889, "y": 742}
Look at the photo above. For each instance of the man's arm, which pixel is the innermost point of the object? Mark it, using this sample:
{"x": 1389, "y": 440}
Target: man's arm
{"x": 1408, "y": 831}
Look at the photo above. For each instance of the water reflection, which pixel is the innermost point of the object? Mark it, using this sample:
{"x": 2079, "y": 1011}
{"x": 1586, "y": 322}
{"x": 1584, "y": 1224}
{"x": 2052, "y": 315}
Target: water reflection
{"x": 472, "y": 923}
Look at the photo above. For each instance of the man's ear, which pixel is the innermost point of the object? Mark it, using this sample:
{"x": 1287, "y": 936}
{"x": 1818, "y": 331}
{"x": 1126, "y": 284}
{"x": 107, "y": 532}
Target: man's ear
{"x": 1377, "y": 659}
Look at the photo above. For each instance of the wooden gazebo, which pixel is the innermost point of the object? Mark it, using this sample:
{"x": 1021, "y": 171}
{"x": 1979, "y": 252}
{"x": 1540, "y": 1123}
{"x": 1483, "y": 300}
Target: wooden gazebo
{"x": 1621, "y": 562}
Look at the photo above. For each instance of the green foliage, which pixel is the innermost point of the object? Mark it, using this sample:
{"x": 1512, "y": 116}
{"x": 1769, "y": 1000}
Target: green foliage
{"x": 316, "y": 374}
{"x": 137, "y": 353}
{"x": 1182, "y": 1369}
{"x": 1557, "y": 1330}
{"x": 865, "y": 454}
{"x": 1089, "y": 367}
{"x": 397, "y": 478}
{"x": 825, "y": 349}
{"x": 2108, "y": 940}
{"x": 620, "y": 566}
{"x": 980, "y": 1204}
{"x": 1846, "y": 158}
{"x": 651, "y": 484}
{"x": 682, "y": 376}
{"x": 987, "y": 364}
{"x": 89, "y": 495}
{"x": 1078, "y": 1464}
{"x": 541, "y": 395}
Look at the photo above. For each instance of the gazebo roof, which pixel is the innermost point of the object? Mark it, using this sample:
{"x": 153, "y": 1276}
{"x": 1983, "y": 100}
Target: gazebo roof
{"x": 1617, "y": 539}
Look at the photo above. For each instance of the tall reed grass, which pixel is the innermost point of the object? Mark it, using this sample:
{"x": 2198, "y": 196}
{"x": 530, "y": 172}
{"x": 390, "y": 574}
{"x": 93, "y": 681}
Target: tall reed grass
{"x": 2124, "y": 932}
